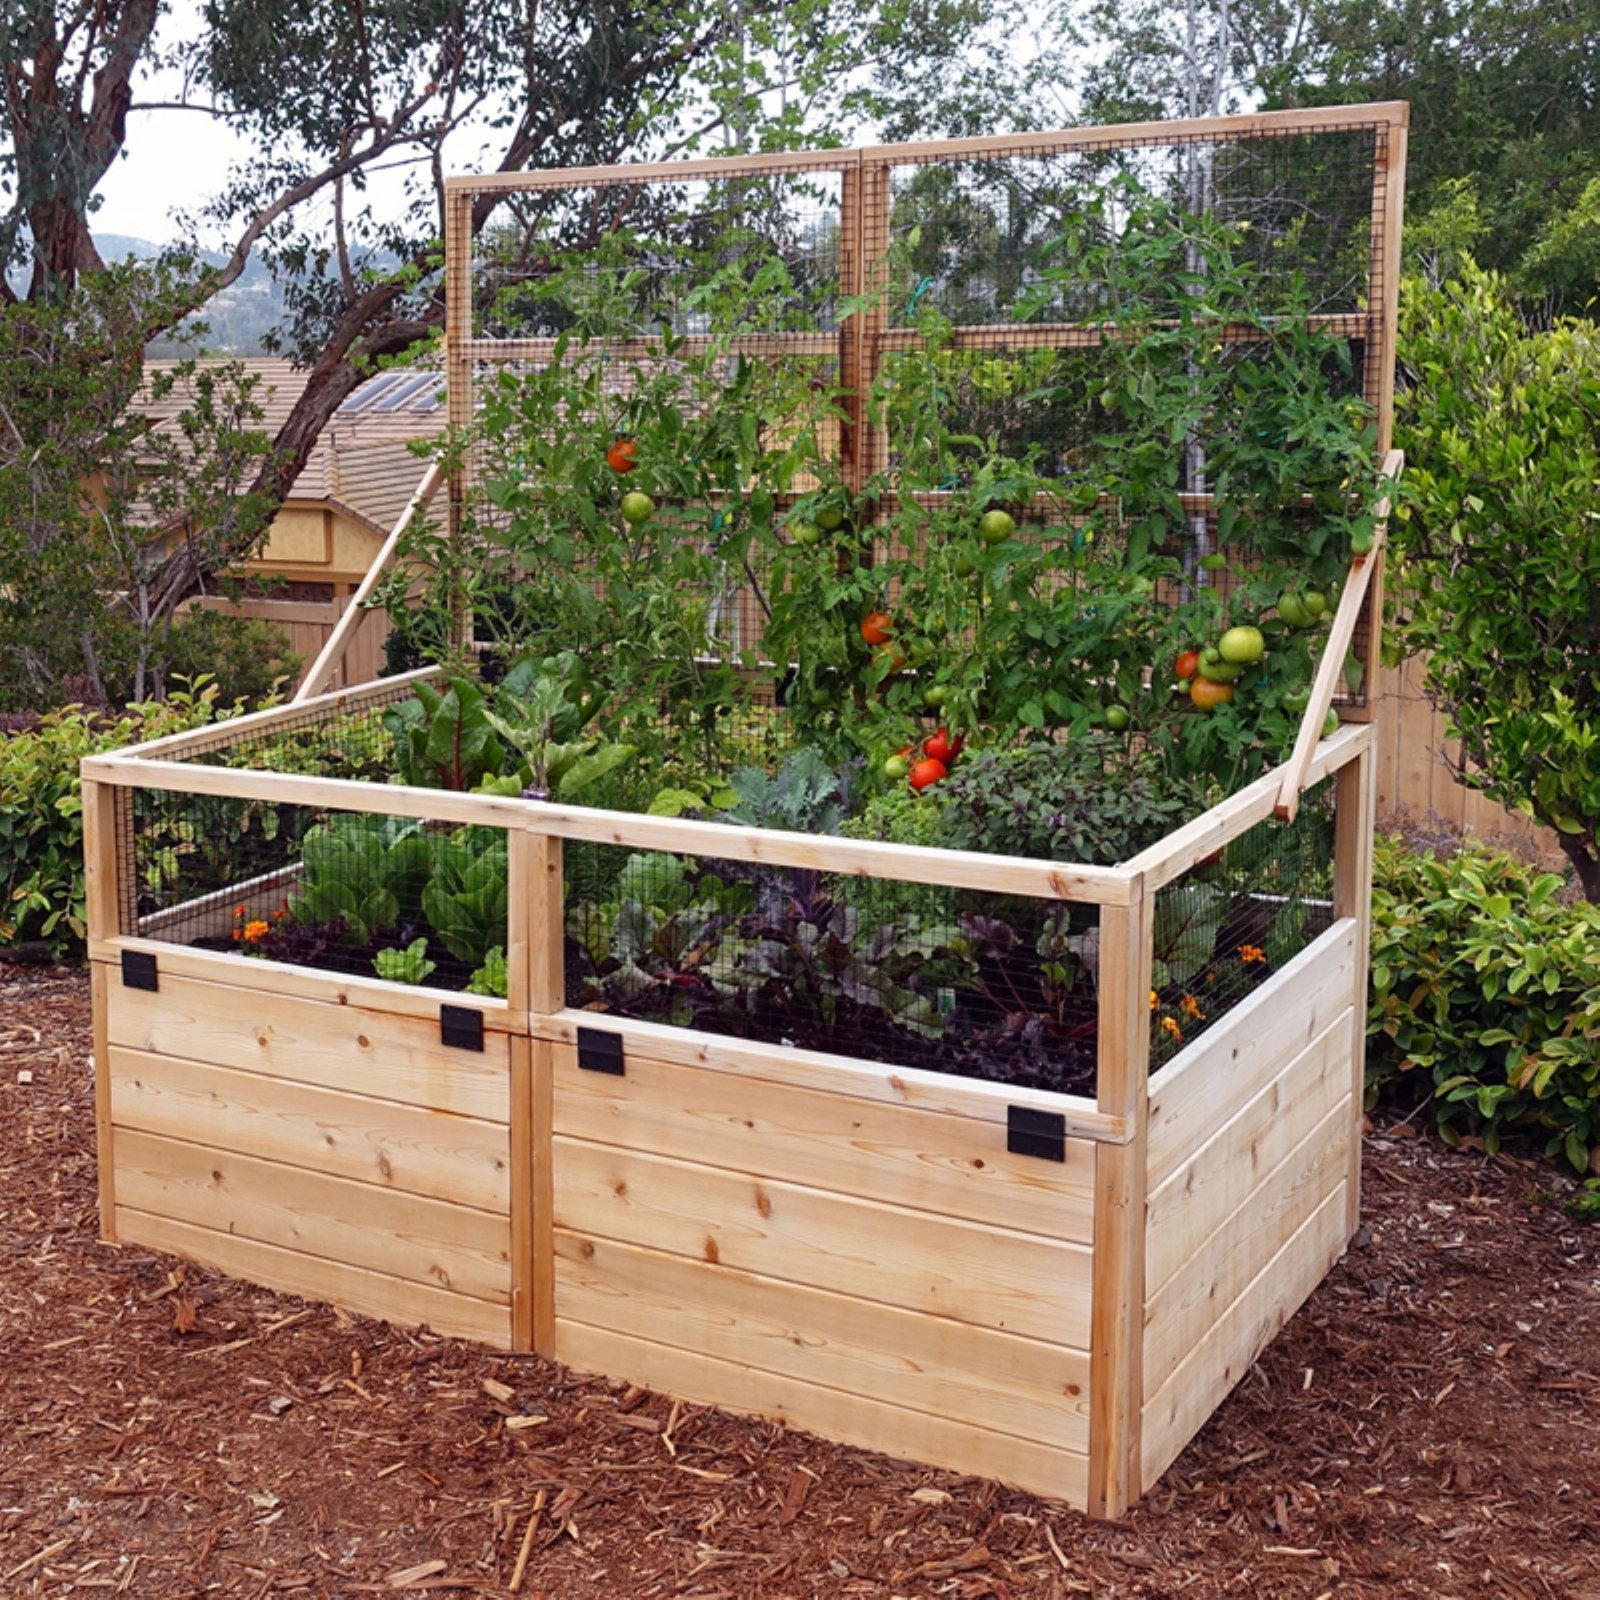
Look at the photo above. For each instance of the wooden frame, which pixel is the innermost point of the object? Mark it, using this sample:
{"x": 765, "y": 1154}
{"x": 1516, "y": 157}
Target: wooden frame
{"x": 701, "y": 1223}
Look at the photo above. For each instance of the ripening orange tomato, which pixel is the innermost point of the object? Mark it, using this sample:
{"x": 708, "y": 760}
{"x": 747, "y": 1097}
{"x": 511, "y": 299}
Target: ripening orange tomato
{"x": 1208, "y": 695}
{"x": 876, "y": 627}
{"x": 620, "y": 457}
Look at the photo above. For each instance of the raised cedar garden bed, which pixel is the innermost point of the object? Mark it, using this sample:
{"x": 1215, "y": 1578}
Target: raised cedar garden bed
{"x": 948, "y": 1269}
{"x": 1007, "y": 1165}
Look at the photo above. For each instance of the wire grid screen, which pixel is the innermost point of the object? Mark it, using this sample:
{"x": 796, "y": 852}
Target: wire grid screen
{"x": 984, "y": 985}
{"x": 1025, "y": 261}
{"x": 1235, "y": 919}
{"x": 632, "y": 260}
{"x": 364, "y": 894}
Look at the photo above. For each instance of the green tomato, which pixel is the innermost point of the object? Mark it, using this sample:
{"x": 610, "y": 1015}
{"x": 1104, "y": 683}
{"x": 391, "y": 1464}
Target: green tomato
{"x": 995, "y": 527}
{"x": 1215, "y": 669}
{"x": 804, "y": 532}
{"x": 1330, "y": 723}
{"x": 637, "y": 507}
{"x": 1243, "y": 645}
{"x": 1117, "y": 718}
{"x": 1215, "y": 562}
{"x": 1293, "y": 610}
{"x": 830, "y": 518}
{"x": 1296, "y": 700}
{"x": 963, "y": 565}
{"x": 897, "y": 767}
{"x": 1361, "y": 542}
{"x": 1315, "y": 602}
{"x": 935, "y": 695}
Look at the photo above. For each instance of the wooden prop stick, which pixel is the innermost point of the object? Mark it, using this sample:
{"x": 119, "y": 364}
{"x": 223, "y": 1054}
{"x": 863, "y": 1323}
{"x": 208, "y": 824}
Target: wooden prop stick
{"x": 332, "y": 653}
{"x": 1362, "y": 570}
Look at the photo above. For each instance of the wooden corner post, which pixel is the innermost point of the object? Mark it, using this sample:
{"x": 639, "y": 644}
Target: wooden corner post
{"x": 1116, "y": 1389}
{"x": 108, "y": 914}
{"x": 1354, "y": 804}
{"x": 535, "y": 986}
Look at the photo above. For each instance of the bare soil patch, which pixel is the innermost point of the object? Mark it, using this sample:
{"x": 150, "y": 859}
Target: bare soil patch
{"x": 1429, "y": 1425}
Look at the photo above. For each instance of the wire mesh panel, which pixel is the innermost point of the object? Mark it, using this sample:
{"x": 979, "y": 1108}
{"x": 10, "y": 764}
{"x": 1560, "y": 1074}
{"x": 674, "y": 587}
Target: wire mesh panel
{"x": 1227, "y": 925}
{"x": 361, "y": 893}
{"x": 988, "y": 986}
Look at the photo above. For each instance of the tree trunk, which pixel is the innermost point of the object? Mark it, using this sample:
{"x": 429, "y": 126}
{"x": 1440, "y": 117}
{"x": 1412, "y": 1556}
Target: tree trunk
{"x": 1584, "y": 862}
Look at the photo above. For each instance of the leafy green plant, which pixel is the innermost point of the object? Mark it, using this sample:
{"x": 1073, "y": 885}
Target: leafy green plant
{"x": 1089, "y": 799}
{"x": 444, "y": 738}
{"x": 363, "y": 870}
{"x": 410, "y": 965}
{"x": 466, "y": 897}
{"x": 492, "y": 977}
{"x": 41, "y": 812}
{"x": 805, "y": 795}
{"x": 1486, "y": 998}
{"x": 1498, "y": 547}
{"x": 540, "y": 710}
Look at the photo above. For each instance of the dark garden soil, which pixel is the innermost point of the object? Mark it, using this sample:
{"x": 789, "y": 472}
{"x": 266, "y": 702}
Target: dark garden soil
{"x": 1428, "y": 1426}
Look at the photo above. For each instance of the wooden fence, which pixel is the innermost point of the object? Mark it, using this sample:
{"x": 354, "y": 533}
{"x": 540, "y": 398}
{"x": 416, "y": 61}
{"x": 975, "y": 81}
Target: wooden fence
{"x": 309, "y": 624}
{"x": 1416, "y": 774}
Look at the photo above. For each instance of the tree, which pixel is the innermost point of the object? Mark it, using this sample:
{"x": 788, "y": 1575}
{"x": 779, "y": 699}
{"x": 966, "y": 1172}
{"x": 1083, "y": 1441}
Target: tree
{"x": 1505, "y": 103}
{"x": 94, "y": 497}
{"x": 1497, "y": 547}
{"x": 331, "y": 92}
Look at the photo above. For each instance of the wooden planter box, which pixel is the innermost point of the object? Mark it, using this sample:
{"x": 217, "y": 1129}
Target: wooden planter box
{"x": 1045, "y": 1289}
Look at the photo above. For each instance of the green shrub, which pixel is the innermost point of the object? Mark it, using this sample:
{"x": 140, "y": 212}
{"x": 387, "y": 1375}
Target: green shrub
{"x": 41, "y": 813}
{"x": 1486, "y": 998}
{"x": 1087, "y": 800}
{"x": 251, "y": 660}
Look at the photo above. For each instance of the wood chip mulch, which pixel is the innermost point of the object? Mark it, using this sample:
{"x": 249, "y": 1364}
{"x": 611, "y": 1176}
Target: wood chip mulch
{"x": 1429, "y": 1425}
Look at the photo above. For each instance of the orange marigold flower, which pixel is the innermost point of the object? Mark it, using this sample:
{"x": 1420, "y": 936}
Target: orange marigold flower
{"x": 1155, "y": 1001}
{"x": 239, "y": 911}
{"x": 1191, "y": 1008}
{"x": 255, "y": 930}
{"x": 1251, "y": 953}
{"x": 1170, "y": 1024}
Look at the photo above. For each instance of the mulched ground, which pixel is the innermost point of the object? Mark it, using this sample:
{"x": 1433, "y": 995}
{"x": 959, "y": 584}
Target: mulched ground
{"x": 1428, "y": 1426}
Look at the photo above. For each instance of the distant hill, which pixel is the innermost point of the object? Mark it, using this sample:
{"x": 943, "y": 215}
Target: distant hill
{"x": 236, "y": 320}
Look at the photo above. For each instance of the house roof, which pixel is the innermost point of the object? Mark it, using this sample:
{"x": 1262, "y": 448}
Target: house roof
{"x": 362, "y": 461}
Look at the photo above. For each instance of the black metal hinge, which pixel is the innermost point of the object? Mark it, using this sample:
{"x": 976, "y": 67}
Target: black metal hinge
{"x": 600, "y": 1050}
{"x": 1036, "y": 1133}
{"x": 139, "y": 971}
{"x": 461, "y": 1027}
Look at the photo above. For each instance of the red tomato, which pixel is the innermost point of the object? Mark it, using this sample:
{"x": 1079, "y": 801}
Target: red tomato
{"x": 942, "y": 748}
{"x": 620, "y": 456}
{"x": 1187, "y": 664}
{"x": 928, "y": 771}
{"x": 876, "y": 627}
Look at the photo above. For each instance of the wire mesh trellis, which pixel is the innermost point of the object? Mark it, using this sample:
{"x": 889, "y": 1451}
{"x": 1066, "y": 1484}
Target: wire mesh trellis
{"x": 1014, "y": 242}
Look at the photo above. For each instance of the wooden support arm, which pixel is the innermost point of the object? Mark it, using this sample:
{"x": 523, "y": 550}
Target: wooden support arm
{"x": 332, "y": 653}
{"x": 1363, "y": 569}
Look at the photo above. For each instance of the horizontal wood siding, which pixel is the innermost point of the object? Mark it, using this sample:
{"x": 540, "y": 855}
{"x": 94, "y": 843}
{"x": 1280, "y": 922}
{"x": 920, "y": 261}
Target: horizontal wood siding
{"x": 312, "y": 1041}
{"x": 883, "y": 1275}
{"x": 1248, "y": 1154}
{"x": 320, "y": 1148}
